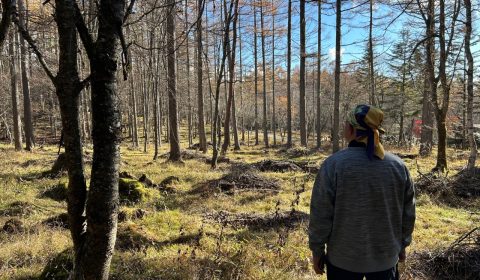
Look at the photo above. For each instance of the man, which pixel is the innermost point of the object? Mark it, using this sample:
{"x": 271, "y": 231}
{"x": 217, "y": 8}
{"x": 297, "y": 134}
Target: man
{"x": 362, "y": 207}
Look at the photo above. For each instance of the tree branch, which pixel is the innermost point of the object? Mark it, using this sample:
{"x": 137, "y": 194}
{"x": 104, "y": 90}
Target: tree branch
{"x": 26, "y": 35}
{"x": 129, "y": 10}
{"x": 83, "y": 31}
{"x": 83, "y": 84}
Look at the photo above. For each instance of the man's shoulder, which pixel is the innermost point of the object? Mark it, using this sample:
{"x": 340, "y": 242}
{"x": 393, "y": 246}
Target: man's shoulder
{"x": 338, "y": 157}
{"x": 393, "y": 158}
{"x": 349, "y": 154}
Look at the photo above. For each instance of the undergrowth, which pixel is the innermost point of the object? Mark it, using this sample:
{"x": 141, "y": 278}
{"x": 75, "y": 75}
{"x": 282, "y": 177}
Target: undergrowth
{"x": 184, "y": 234}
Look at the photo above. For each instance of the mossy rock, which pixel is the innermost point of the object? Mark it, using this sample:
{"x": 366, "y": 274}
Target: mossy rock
{"x": 59, "y": 267}
{"x": 132, "y": 191}
{"x": 58, "y": 192}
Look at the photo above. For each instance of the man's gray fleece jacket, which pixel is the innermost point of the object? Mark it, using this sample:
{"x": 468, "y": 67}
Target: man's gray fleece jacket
{"x": 363, "y": 210}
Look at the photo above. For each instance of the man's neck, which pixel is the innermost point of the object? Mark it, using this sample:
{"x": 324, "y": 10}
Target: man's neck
{"x": 355, "y": 143}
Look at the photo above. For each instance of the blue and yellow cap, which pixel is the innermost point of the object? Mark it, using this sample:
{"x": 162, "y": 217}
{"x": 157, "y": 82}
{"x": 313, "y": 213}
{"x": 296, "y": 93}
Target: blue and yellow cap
{"x": 367, "y": 120}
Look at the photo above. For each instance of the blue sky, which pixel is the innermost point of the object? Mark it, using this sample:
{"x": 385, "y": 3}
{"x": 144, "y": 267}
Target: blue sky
{"x": 354, "y": 32}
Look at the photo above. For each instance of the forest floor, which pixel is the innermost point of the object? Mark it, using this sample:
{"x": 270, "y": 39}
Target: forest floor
{"x": 195, "y": 226}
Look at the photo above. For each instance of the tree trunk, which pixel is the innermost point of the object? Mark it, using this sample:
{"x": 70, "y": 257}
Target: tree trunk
{"x": 371, "y": 69}
{"x": 103, "y": 200}
{"x": 336, "y": 105}
{"x": 468, "y": 53}
{"x": 442, "y": 109}
{"x": 236, "y": 143}
{"x": 155, "y": 93}
{"x": 274, "y": 122}
{"x": 264, "y": 76}
{"x": 145, "y": 111}
{"x": 302, "y": 111}
{"x": 68, "y": 90}
{"x": 189, "y": 99}
{"x": 319, "y": 70}
{"x": 27, "y": 107}
{"x": 241, "y": 82}
{"x": 426, "y": 136}
{"x": 134, "y": 108}
{"x": 226, "y": 38}
{"x": 201, "y": 118}
{"x": 17, "y": 125}
{"x": 289, "y": 70}
{"x": 175, "y": 154}
{"x": 255, "y": 54}
{"x": 228, "y": 110}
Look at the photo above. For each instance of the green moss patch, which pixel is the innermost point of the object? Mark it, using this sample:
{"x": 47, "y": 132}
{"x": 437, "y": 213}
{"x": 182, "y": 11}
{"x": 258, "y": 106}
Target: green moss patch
{"x": 132, "y": 191}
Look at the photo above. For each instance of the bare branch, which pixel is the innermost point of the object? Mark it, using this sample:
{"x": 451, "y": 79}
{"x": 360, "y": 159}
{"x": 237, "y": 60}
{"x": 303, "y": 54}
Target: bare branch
{"x": 26, "y": 35}
{"x": 82, "y": 29}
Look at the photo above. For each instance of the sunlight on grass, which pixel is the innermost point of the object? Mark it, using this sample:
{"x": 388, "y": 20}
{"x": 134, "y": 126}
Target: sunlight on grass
{"x": 189, "y": 245}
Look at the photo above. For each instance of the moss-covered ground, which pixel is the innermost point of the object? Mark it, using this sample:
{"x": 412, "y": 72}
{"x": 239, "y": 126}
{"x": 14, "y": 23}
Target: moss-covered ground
{"x": 175, "y": 236}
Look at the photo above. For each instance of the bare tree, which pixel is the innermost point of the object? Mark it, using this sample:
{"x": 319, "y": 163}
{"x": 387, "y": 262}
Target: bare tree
{"x": 230, "y": 109}
{"x": 264, "y": 76}
{"x": 226, "y": 39}
{"x": 17, "y": 123}
{"x": 468, "y": 53}
{"x": 289, "y": 70}
{"x": 255, "y": 54}
{"x": 319, "y": 68}
{"x": 372, "y": 98}
{"x": 303, "y": 55}
{"x": 336, "y": 105}
{"x": 27, "y": 105}
{"x": 201, "y": 118}
{"x": 175, "y": 154}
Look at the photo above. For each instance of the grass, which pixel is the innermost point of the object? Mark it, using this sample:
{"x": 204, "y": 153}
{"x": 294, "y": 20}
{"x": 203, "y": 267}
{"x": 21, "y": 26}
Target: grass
{"x": 187, "y": 245}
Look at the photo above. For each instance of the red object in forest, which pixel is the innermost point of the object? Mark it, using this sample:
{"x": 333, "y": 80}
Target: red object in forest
{"x": 416, "y": 128}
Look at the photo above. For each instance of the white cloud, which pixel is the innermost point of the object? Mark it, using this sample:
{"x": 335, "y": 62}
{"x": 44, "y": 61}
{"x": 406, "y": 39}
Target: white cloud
{"x": 331, "y": 52}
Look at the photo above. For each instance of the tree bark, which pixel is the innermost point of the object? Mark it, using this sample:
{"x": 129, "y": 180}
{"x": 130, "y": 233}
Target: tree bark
{"x": 175, "y": 154}
{"x": 336, "y": 105}
{"x": 289, "y": 70}
{"x": 319, "y": 70}
{"x": 264, "y": 76}
{"x": 230, "y": 109}
{"x": 371, "y": 69}
{"x": 68, "y": 90}
{"x": 255, "y": 54}
{"x": 17, "y": 125}
{"x": 468, "y": 53}
{"x": 155, "y": 93}
{"x": 103, "y": 201}
{"x": 189, "y": 99}
{"x": 302, "y": 111}
{"x": 274, "y": 122}
{"x": 134, "y": 108}
{"x": 226, "y": 38}
{"x": 201, "y": 118}
{"x": 27, "y": 106}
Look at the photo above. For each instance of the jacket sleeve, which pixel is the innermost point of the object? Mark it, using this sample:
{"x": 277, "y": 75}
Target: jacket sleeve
{"x": 321, "y": 210}
{"x": 408, "y": 219}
